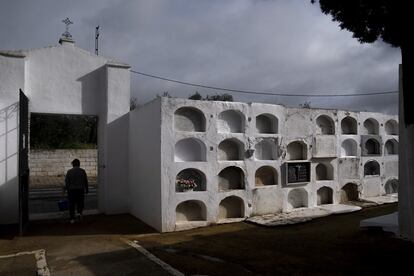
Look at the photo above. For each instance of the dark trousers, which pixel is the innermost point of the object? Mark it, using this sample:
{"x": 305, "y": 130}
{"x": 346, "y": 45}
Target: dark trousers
{"x": 76, "y": 199}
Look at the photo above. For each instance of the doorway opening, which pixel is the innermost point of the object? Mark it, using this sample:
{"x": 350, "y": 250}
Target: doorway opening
{"x": 55, "y": 140}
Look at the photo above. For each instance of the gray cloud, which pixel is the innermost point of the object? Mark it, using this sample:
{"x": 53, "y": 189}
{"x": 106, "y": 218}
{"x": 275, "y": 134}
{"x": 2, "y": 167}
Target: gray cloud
{"x": 271, "y": 46}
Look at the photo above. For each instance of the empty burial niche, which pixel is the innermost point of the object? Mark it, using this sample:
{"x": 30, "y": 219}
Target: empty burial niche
{"x": 298, "y": 198}
{"x": 391, "y": 187}
{"x": 265, "y": 150}
{"x": 371, "y": 126}
{"x": 372, "y": 147}
{"x": 325, "y": 196}
{"x": 190, "y": 150}
{"x": 190, "y": 210}
{"x": 267, "y": 123}
{"x": 230, "y": 149}
{"x": 189, "y": 119}
{"x": 190, "y": 179}
{"x": 265, "y": 176}
{"x": 391, "y": 127}
{"x": 349, "y": 125}
{"x": 325, "y": 125}
{"x": 324, "y": 172}
{"x": 371, "y": 168}
{"x": 391, "y": 147}
{"x": 349, "y": 192}
{"x": 231, "y": 178}
{"x": 230, "y": 121}
{"x": 349, "y": 147}
{"x": 296, "y": 151}
{"x": 231, "y": 207}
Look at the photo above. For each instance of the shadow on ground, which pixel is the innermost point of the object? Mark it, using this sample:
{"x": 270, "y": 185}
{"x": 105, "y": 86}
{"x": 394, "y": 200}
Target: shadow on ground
{"x": 333, "y": 245}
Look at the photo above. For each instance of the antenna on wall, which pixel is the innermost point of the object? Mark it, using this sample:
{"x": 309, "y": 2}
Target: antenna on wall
{"x": 96, "y": 39}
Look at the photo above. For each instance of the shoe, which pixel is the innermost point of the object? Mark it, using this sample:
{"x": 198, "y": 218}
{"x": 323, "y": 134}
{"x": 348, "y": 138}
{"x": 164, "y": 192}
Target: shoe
{"x": 72, "y": 221}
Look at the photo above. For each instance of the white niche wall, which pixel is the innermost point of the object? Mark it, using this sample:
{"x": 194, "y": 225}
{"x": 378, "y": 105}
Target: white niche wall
{"x": 230, "y": 121}
{"x": 190, "y": 150}
{"x": 189, "y": 119}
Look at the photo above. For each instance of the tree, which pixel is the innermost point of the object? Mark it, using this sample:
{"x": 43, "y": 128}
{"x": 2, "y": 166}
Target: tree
{"x": 223, "y": 97}
{"x": 370, "y": 20}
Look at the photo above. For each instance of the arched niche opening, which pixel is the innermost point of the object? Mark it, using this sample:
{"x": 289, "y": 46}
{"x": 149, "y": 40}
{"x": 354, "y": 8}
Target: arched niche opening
{"x": 190, "y": 210}
{"x": 372, "y": 147}
{"x": 391, "y": 127}
{"x": 324, "y": 172}
{"x": 297, "y": 151}
{"x": 231, "y": 178}
{"x": 190, "y": 150}
{"x": 266, "y": 176}
{"x": 349, "y": 147}
{"x": 325, "y": 125}
{"x": 371, "y": 126}
{"x": 231, "y": 207}
{"x": 349, "y": 192}
{"x": 265, "y": 150}
{"x": 267, "y": 123}
{"x": 298, "y": 198}
{"x": 189, "y": 119}
{"x": 349, "y": 125}
{"x": 188, "y": 178}
{"x": 325, "y": 196}
{"x": 391, "y": 187}
{"x": 230, "y": 149}
{"x": 371, "y": 168}
{"x": 230, "y": 121}
{"x": 391, "y": 147}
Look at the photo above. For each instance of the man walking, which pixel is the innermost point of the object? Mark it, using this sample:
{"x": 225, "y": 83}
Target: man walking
{"x": 76, "y": 184}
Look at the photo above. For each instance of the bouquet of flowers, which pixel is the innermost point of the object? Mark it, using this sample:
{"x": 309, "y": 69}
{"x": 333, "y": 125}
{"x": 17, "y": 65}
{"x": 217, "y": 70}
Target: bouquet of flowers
{"x": 186, "y": 184}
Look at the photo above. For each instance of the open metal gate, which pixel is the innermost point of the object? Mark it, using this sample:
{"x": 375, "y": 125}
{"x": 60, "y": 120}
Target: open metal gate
{"x": 23, "y": 162}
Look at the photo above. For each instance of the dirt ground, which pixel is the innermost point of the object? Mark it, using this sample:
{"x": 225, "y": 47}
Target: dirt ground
{"x": 333, "y": 245}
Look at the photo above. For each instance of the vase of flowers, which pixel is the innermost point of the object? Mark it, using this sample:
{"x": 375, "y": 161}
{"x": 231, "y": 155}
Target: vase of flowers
{"x": 186, "y": 185}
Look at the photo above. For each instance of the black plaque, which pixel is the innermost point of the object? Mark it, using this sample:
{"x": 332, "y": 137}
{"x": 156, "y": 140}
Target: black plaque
{"x": 298, "y": 172}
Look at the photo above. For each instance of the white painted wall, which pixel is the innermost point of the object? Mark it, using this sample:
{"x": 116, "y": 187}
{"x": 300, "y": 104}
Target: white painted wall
{"x": 406, "y": 173}
{"x": 145, "y": 164}
{"x": 294, "y": 125}
{"x": 65, "y": 79}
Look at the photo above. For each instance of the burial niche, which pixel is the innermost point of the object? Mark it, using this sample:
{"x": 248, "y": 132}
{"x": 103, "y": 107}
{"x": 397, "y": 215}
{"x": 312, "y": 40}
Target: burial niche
{"x": 190, "y": 210}
{"x": 391, "y": 187}
{"x": 231, "y": 178}
{"x": 297, "y": 151}
{"x": 349, "y": 147}
{"x": 231, "y": 207}
{"x": 189, "y": 119}
{"x": 267, "y": 124}
{"x": 325, "y": 125}
{"x": 349, "y": 125}
{"x": 265, "y": 150}
{"x": 190, "y": 150}
{"x": 190, "y": 179}
{"x": 372, "y": 147}
{"x": 371, "y": 168}
{"x": 230, "y": 149}
{"x": 265, "y": 176}
{"x": 325, "y": 196}
{"x": 298, "y": 198}
{"x": 349, "y": 192}
{"x": 391, "y": 147}
{"x": 230, "y": 121}
{"x": 391, "y": 127}
{"x": 371, "y": 126}
{"x": 324, "y": 172}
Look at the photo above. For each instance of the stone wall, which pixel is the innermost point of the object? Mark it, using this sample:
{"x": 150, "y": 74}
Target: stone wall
{"x": 57, "y": 162}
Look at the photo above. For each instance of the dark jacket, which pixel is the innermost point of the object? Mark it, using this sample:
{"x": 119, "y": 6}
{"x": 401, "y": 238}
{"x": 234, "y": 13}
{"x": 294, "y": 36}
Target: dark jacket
{"x": 76, "y": 179}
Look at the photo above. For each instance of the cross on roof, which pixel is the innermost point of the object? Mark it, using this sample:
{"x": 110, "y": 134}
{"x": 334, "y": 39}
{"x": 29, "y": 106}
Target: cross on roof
{"x": 67, "y": 23}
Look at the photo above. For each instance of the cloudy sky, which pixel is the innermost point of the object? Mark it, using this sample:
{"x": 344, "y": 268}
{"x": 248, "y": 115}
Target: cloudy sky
{"x": 273, "y": 46}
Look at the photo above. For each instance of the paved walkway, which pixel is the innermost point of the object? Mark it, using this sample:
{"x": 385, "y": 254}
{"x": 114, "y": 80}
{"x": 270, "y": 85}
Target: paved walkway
{"x": 95, "y": 246}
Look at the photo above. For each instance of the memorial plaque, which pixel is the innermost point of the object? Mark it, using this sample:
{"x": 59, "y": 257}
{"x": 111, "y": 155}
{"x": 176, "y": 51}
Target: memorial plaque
{"x": 298, "y": 172}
